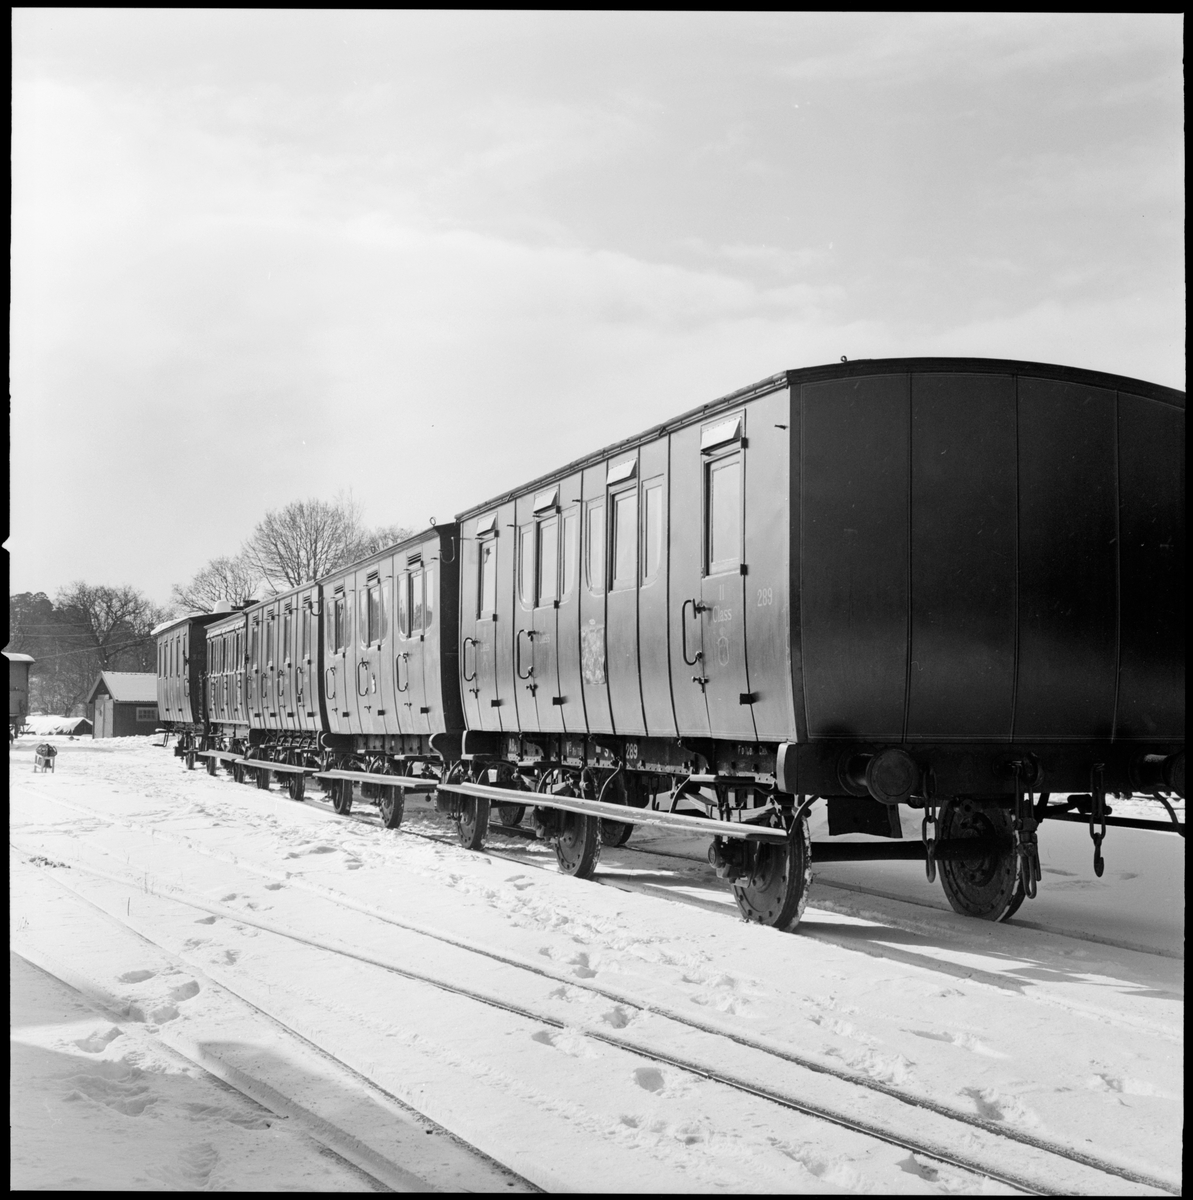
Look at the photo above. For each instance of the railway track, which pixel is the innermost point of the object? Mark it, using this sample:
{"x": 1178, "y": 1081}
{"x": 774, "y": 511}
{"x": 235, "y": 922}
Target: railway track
{"x": 834, "y": 1092}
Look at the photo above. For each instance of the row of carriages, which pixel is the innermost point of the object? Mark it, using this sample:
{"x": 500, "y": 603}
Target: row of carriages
{"x": 951, "y": 584}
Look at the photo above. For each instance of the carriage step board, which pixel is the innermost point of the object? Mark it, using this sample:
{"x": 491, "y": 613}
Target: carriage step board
{"x": 408, "y": 783}
{"x": 619, "y": 812}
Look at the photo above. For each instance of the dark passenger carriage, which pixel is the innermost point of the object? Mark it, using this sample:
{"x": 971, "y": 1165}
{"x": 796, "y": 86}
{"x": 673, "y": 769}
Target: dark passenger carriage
{"x": 955, "y": 584}
{"x": 181, "y": 681}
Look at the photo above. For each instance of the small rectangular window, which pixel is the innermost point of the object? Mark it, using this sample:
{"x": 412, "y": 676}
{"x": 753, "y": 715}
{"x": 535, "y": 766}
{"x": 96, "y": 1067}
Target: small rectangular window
{"x": 652, "y": 533}
{"x": 254, "y": 634}
{"x": 724, "y": 514}
{"x": 488, "y": 577}
{"x": 548, "y": 561}
{"x": 429, "y": 598}
{"x": 595, "y": 539}
{"x": 386, "y": 587}
{"x": 403, "y": 586}
{"x": 306, "y": 632}
{"x": 339, "y": 634}
{"x": 284, "y": 649}
{"x": 416, "y": 602}
{"x": 370, "y": 614}
{"x": 625, "y": 540}
{"x": 526, "y": 565}
{"x": 571, "y": 555}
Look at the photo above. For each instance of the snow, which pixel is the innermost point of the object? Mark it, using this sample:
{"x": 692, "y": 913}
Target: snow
{"x": 40, "y": 725}
{"x": 330, "y": 971}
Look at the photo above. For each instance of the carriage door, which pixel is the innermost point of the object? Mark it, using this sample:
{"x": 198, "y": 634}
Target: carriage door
{"x": 722, "y": 592}
{"x": 335, "y": 680}
{"x": 304, "y": 693}
{"x": 544, "y": 656}
{"x": 367, "y": 671}
{"x": 287, "y": 710}
{"x": 408, "y": 661}
{"x": 478, "y": 653}
{"x": 254, "y": 676}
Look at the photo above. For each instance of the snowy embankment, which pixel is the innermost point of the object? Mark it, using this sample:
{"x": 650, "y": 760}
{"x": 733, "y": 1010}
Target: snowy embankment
{"x": 435, "y": 1018}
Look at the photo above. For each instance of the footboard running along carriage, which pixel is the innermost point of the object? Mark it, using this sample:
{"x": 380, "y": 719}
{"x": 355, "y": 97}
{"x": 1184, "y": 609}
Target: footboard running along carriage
{"x": 952, "y": 585}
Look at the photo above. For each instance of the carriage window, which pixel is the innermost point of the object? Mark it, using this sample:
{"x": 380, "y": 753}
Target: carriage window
{"x": 385, "y": 590}
{"x": 254, "y": 634}
{"x": 372, "y": 610}
{"x": 548, "y": 556}
{"x": 652, "y": 539}
{"x": 416, "y": 602}
{"x": 724, "y": 513}
{"x": 595, "y": 535}
{"x": 571, "y": 557}
{"x": 305, "y": 629}
{"x": 339, "y": 623}
{"x": 526, "y": 565}
{"x": 284, "y": 654}
{"x": 429, "y": 600}
{"x": 625, "y": 540}
{"x": 271, "y": 640}
{"x": 403, "y": 586}
{"x": 488, "y": 579}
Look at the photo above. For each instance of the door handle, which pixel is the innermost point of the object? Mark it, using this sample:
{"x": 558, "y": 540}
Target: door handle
{"x": 518, "y": 652}
{"x": 469, "y": 678}
{"x": 362, "y": 678}
{"x": 398, "y": 673}
{"x": 329, "y": 677}
{"x": 697, "y": 608}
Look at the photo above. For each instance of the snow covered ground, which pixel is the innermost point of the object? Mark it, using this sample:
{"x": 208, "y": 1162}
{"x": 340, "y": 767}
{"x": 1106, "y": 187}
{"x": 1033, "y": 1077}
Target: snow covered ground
{"x": 214, "y": 986}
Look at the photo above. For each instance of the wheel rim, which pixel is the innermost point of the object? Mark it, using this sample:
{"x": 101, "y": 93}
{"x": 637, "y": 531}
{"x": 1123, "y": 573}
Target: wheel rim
{"x": 473, "y": 821}
{"x": 511, "y": 814}
{"x": 775, "y": 890}
{"x": 986, "y": 888}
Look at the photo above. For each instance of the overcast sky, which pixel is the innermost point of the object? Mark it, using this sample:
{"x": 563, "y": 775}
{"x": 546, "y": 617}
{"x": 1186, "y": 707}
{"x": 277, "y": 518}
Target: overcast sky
{"x": 263, "y": 256}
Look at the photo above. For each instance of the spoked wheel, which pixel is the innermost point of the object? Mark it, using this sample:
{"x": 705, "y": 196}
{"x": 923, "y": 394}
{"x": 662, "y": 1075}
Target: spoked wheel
{"x": 988, "y": 888}
{"x": 296, "y": 785}
{"x": 773, "y": 889}
{"x": 237, "y": 773}
{"x": 341, "y": 796}
{"x": 391, "y": 804}
{"x": 511, "y": 814}
{"x": 189, "y": 758}
{"x": 473, "y": 821}
{"x": 212, "y": 765}
{"x": 263, "y": 779}
{"x": 578, "y": 846}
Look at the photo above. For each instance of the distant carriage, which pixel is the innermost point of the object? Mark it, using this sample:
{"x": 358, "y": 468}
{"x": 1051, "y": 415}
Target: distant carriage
{"x": 951, "y": 584}
{"x": 18, "y": 691}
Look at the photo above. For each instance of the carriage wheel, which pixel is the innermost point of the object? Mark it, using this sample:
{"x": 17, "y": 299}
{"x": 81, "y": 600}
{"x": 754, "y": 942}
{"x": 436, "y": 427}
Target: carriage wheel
{"x": 987, "y": 888}
{"x": 511, "y": 814}
{"x": 473, "y": 821}
{"x": 263, "y": 779}
{"x": 391, "y": 805}
{"x": 774, "y": 888}
{"x": 212, "y": 765}
{"x": 341, "y": 796}
{"x": 237, "y": 773}
{"x": 189, "y": 759}
{"x": 296, "y": 785}
{"x": 578, "y": 845}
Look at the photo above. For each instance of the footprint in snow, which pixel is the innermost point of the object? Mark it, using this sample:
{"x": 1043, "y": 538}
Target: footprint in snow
{"x": 97, "y": 1042}
{"x": 229, "y": 896}
{"x": 185, "y": 991}
{"x": 580, "y": 967}
{"x": 230, "y": 956}
{"x": 616, "y": 1016}
{"x": 650, "y": 1079}
{"x": 273, "y": 887}
{"x": 136, "y": 976}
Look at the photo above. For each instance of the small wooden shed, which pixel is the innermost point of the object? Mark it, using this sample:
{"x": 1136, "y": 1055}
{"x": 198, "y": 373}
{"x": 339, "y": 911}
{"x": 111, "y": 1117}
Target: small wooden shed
{"x": 124, "y": 704}
{"x": 18, "y": 689}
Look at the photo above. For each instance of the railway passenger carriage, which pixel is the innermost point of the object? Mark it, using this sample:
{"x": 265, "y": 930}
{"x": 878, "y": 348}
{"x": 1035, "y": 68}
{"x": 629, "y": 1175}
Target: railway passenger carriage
{"x": 951, "y": 584}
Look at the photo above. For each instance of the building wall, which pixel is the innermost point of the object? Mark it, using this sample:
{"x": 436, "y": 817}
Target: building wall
{"x": 126, "y": 722}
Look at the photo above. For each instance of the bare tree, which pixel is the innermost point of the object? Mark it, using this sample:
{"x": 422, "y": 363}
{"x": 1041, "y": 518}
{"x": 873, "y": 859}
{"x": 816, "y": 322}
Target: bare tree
{"x": 233, "y": 579}
{"x": 307, "y": 538}
{"x": 113, "y": 624}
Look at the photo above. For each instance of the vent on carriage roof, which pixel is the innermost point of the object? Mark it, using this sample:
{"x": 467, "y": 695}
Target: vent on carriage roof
{"x": 621, "y": 470}
{"x": 712, "y": 436}
{"x": 547, "y": 499}
{"x": 486, "y": 524}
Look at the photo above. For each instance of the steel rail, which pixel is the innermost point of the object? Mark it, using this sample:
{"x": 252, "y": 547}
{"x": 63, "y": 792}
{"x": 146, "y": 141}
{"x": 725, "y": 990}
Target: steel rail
{"x": 619, "y": 812}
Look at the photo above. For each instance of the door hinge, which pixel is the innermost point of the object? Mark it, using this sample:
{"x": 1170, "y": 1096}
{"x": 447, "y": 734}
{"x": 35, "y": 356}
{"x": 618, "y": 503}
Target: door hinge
{"x": 494, "y": 703}
{"x": 744, "y": 569}
{"x": 747, "y": 697}
{"x": 558, "y": 699}
{"x": 424, "y": 710}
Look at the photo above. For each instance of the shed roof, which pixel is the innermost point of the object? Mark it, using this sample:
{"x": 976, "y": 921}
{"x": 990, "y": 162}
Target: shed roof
{"x": 132, "y": 687}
